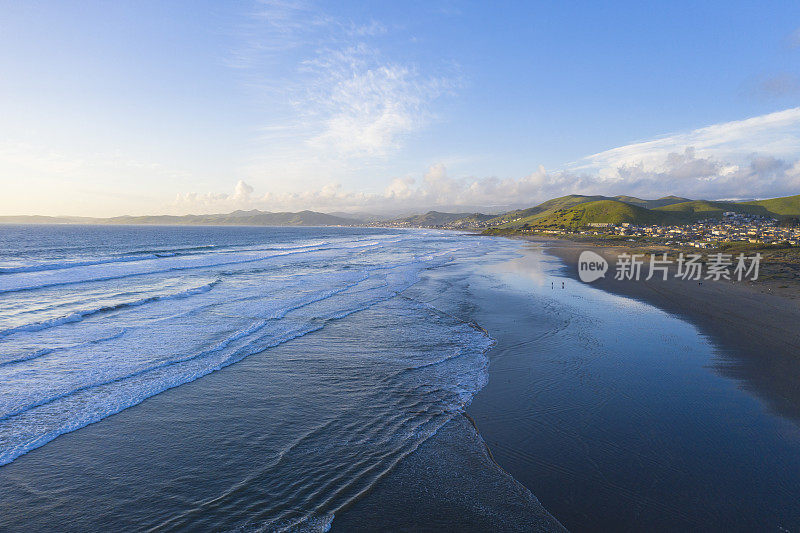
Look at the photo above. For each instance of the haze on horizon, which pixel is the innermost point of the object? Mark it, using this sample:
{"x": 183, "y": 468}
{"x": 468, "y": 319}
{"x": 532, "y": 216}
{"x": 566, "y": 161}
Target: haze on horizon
{"x": 150, "y": 107}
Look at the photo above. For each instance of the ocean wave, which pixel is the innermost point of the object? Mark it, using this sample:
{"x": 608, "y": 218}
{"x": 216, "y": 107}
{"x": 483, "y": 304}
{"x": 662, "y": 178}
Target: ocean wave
{"x": 125, "y": 257}
{"x": 366, "y": 450}
{"x": 129, "y": 394}
{"x": 47, "y": 351}
{"x": 218, "y": 347}
{"x": 120, "y": 401}
{"x": 77, "y": 316}
{"x": 91, "y": 391}
{"x": 25, "y": 283}
{"x": 160, "y": 253}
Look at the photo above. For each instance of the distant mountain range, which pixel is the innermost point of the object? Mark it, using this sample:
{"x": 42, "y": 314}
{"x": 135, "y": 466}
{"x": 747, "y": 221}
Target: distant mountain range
{"x": 565, "y": 212}
{"x": 437, "y": 219}
{"x": 237, "y": 218}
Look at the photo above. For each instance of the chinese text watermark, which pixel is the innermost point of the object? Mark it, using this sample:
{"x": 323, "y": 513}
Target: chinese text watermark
{"x": 716, "y": 267}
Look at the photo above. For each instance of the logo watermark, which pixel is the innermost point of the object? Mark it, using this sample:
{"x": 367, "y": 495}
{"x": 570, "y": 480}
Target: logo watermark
{"x": 591, "y": 266}
{"x": 716, "y": 267}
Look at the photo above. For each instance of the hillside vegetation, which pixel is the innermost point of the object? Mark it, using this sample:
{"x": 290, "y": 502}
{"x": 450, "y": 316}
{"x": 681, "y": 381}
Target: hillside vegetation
{"x": 696, "y": 209}
{"x": 552, "y": 211}
{"x": 597, "y": 211}
{"x": 651, "y": 204}
{"x": 786, "y": 206}
{"x": 528, "y": 216}
{"x": 578, "y": 211}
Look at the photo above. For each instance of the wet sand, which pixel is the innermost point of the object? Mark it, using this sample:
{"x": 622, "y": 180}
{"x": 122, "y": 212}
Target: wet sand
{"x": 755, "y": 323}
{"x": 671, "y": 414}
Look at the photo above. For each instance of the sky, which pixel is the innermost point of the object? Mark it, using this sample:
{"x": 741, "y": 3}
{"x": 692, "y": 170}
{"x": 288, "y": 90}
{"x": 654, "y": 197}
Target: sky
{"x": 153, "y": 107}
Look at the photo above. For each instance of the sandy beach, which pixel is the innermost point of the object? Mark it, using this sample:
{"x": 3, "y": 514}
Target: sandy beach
{"x": 756, "y": 322}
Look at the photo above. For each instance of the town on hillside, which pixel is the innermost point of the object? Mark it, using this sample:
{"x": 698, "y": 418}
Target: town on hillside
{"x": 706, "y": 233}
{"x": 671, "y": 221}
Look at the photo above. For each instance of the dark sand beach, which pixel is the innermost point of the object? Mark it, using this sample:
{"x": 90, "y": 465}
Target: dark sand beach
{"x": 757, "y": 323}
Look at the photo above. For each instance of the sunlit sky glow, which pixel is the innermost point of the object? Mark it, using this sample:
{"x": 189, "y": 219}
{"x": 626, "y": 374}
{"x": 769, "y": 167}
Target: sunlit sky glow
{"x": 147, "y": 107}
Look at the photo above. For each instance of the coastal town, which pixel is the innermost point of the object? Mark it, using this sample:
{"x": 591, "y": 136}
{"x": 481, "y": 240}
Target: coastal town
{"x": 731, "y": 227}
{"x": 708, "y": 233}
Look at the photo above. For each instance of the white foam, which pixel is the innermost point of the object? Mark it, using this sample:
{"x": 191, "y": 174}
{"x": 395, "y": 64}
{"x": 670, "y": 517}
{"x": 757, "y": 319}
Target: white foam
{"x": 70, "y": 371}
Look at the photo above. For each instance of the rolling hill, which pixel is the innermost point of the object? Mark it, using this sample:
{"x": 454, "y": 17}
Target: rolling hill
{"x": 577, "y": 211}
{"x": 651, "y": 204}
{"x": 788, "y": 206}
{"x": 531, "y": 215}
{"x": 528, "y": 216}
{"x": 785, "y": 206}
{"x": 597, "y": 211}
{"x": 571, "y": 211}
{"x": 698, "y": 209}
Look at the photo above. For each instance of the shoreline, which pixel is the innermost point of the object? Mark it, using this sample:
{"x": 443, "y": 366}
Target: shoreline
{"x": 256, "y": 442}
{"x": 505, "y": 415}
{"x": 611, "y": 422}
{"x": 756, "y": 328}
{"x": 423, "y": 485}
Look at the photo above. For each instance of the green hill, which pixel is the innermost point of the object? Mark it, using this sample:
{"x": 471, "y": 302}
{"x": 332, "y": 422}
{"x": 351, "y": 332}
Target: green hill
{"x": 533, "y": 213}
{"x": 473, "y": 221}
{"x": 786, "y": 206}
{"x": 632, "y": 200}
{"x": 577, "y": 211}
{"x": 585, "y": 213}
{"x": 698, "y": 209}
{"x": 651, "y": 204}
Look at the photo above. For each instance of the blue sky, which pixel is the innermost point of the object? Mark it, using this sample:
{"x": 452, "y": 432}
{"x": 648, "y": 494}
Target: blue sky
{"x": 176, "y": 107}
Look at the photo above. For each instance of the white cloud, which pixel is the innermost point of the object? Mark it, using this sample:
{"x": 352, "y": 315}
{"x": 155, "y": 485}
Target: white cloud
{"x": 242, "y": 192}
{"x": 756, "y": 157}
{"x": 193, "y": 202}
{"x": 363, "y": 108}
{"x": 333, "y": 98}
{"x": 776, "y": 134}
{"x": 743, "y": 158}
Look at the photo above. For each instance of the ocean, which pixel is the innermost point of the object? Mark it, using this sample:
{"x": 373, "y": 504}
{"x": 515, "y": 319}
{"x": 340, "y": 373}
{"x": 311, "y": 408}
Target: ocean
{"x": 95, "y": 320}
{"x": 272, "y": 379}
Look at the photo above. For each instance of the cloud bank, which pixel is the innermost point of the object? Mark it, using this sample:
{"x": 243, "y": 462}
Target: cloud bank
{"x": 753, "y": 158}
